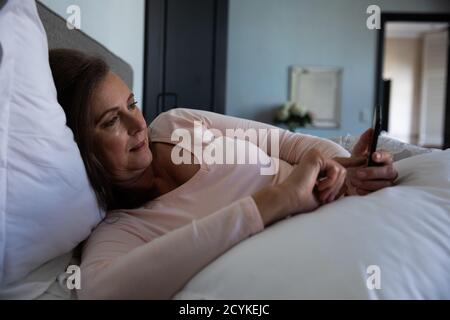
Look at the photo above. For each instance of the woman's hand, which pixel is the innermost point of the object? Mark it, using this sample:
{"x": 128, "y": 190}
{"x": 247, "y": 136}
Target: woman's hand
{"x": 313, "y": 181}
{"x": 361, "y": 179}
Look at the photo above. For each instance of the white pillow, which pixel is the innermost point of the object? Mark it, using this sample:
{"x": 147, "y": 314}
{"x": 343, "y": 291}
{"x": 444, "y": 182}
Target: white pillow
{"x": 46, "y": 203}
{"x": 403, "y": 230}
{"x": 399, "y": 149}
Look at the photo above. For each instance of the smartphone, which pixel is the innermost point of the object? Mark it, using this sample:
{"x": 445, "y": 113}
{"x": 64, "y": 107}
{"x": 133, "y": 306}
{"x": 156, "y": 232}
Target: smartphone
{"x": 377, "y": 118}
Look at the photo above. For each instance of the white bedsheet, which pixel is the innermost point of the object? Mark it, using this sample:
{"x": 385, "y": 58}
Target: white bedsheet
{"x": 397, "y": 238}
{"x": 404, "y": 230}
{"x": 46, "y": 282}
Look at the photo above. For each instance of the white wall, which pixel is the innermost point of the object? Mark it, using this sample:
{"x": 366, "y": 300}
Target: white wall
{"x": 265, "y": 37}
{"x": 403, "y": 67}
{"x": 118, "y": 25}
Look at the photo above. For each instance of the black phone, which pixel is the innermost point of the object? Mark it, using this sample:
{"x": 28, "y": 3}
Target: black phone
{"x": 377, "y": 119}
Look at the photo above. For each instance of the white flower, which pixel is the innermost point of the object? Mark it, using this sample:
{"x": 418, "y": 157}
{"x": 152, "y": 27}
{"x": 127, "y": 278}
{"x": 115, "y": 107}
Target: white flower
{"x": 284, "y": 112}
{"x": 297, "y": 110}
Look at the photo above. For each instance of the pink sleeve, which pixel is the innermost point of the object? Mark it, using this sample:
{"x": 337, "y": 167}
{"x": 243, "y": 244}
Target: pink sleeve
{"x": 120, "y": 263}
{"x": 292, "y": 146}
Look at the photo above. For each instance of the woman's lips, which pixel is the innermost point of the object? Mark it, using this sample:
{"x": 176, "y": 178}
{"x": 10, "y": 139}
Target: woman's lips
{"x": 138, "y": 147}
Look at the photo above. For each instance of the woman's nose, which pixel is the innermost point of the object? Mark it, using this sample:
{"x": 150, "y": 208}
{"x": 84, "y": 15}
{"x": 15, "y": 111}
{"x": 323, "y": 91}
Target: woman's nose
{"x": 136, "y": 123}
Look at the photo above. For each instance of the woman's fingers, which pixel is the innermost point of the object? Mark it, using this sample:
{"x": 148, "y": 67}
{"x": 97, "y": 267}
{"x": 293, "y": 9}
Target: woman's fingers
{"x": 362, "y": 192}
{"x": 386, "y": 172}
{"x": 301, "y": 182}
{"x": 326, "y": 193}
{"x": 314, "y": 179}
{"x": 362, "y": 146}
{"x": 372, "y": 185}
{"x": 352, "y": 161}
{"x": 338, "y": 187}
{"x": 330, "y": 179}
{"x": 383, "y": 157}
{"x": 330, "y": 186}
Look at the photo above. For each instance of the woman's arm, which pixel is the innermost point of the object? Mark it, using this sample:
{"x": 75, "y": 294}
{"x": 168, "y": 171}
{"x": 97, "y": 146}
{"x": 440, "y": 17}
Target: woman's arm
{"x": 292, "y": 146}
{"x": 119, "y": 263}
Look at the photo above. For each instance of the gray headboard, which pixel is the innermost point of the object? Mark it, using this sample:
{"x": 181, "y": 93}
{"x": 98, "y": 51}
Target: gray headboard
{"x": 59, "y": 36}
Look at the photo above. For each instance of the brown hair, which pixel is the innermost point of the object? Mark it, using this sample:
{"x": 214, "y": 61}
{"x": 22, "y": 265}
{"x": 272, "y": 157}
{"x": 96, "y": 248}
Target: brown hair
{"x": 76, "y": 76}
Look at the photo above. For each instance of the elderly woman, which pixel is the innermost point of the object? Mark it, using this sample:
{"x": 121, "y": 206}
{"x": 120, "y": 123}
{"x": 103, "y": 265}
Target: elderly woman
{"x": 167, "y": 220}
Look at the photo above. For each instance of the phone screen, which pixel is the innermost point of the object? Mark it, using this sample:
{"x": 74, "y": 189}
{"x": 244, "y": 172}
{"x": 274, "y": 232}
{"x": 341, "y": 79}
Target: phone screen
{"x": 376, "y": 133}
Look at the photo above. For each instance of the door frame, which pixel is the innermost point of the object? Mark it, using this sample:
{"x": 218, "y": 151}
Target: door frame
{"x": 411, "y": 17}
{"x": 155, "y": 58}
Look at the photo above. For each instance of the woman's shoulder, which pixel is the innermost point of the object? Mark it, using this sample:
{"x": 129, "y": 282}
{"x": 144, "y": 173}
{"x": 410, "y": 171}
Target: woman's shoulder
{"x": 182, "y": 119}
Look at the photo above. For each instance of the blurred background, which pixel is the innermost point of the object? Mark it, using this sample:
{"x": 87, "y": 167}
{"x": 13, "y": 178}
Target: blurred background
{"x": 237, "y": 57}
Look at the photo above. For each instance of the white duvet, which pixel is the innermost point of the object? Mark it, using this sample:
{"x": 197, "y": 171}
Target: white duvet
{"x": 391, "y": 244}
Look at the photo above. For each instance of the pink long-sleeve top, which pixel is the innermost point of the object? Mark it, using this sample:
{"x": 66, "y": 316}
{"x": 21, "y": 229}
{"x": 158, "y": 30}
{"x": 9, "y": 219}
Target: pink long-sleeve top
{"x": 151, "y": 252}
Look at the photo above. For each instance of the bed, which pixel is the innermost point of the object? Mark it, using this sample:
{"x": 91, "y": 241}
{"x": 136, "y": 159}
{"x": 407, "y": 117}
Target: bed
{"x": 381, "y": 246}
{"x": 392, "y": 244}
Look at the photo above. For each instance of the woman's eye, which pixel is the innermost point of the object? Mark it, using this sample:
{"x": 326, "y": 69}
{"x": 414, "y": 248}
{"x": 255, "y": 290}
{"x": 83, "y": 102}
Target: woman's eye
{"x": 133, "y": 105}
{"x": 111, "y": 122}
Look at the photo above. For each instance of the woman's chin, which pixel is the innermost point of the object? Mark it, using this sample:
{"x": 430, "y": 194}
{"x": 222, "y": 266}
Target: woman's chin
{"x": 142, "y": 159}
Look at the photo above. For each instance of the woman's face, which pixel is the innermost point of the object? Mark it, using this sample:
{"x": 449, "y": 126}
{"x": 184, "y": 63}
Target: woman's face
{"x": 120, "y": 132}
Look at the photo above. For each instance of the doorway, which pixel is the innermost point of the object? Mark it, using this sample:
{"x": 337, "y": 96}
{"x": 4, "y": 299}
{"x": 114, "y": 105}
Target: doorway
{"x": 412, "y": 78}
